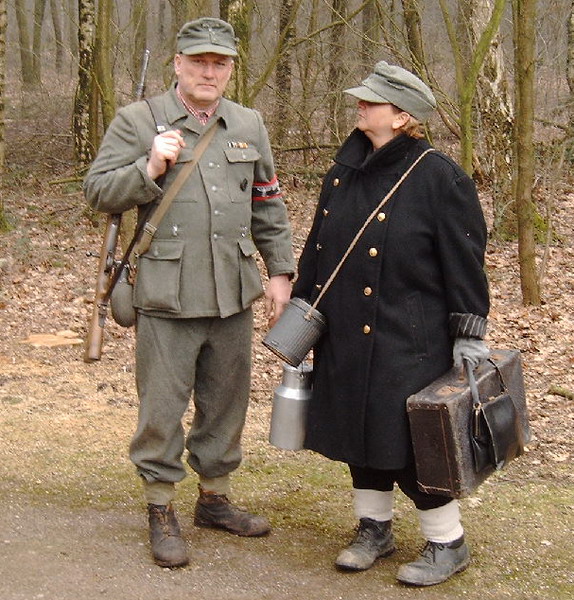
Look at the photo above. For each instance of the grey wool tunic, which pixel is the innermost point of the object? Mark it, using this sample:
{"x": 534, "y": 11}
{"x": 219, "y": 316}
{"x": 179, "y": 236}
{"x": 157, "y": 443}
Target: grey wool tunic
{"x": 414, "y": 282}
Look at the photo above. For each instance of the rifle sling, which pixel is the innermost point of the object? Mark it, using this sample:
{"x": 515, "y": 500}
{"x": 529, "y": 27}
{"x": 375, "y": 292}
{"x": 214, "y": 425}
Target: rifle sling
{"x": 152, "y": 224}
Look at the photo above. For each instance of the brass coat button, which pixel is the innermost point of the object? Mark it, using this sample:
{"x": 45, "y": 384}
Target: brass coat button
{"x": 373, "y": 252}
{"x": 367, "y": 291}
{"x": 366, "y": 329}
{"x": 336, "y": 181}
{"x": 381, "y": 216}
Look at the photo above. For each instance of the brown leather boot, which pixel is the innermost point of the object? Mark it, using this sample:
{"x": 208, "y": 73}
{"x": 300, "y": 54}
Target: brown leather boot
{"x": 167, "y": 545}
{"x": 215, "y": 510}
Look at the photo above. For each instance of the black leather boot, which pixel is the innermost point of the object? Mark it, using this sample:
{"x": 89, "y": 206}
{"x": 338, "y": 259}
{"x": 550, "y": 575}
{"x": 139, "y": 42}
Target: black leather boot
{"x": 436, "y": 563}
{"x": 374, "y": 539}
{"x": 216, "y": 511}
{"x": 167, "y": 545}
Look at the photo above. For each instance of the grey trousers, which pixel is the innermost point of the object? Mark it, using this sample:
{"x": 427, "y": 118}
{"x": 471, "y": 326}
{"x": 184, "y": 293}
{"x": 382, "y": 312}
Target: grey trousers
{"x": 209, "y": 359}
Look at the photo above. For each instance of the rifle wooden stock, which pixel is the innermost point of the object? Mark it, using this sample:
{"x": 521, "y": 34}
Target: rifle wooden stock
{"x": 105, "y": 278}
{"x": 95, "y": 338}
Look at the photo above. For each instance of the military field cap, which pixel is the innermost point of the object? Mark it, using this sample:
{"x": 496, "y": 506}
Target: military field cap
{"x": 395, "y": 85}
{"x": 206, "y": 35}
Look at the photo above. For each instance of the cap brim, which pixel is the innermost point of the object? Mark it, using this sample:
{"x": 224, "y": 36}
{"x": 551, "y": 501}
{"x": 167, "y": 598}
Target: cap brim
{"x": 208, "y": 49}
{"x": 364, "y": 93}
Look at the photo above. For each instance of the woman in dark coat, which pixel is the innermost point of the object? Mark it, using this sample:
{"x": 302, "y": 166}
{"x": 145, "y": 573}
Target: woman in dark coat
{"x": 411, "y": 297}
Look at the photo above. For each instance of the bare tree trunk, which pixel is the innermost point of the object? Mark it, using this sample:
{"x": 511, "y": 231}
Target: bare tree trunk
{"x": 371, "y": 35}
{"x": 308, "y": 69}
{"x": 58, "y": 34}
{"x": 71, "y": 26}
{"x": 84, "y": 149}
{"x": 497, "y": 121}
{"x": 239, "y": 15}
{"x": 338, "y": 121}
{"x": 25, "y": 44}
{"x": 3, "y": 26}
{"x": 139, "y": 23}
{"x": 524, "y": 33}
{"x": 103, "y": 64}
{"x": 414, "y": 37}
{"x": 570, "y": 64}
{"x": 466, "y": 79}
{"x": 283, "y": 72}
{"x": 187, "y": 10}
{"x": 161, "y": 12}
{"x": 39, "y": 12}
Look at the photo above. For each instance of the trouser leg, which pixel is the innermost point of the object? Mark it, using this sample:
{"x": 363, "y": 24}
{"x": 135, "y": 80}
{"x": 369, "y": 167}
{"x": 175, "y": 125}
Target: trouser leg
{"x": 221, "y": 398}
{"x": 166, "y": 352}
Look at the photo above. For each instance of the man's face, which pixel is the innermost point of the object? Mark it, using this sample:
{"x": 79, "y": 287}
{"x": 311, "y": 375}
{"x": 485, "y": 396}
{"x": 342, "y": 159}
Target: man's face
{"x": 202, "y": 78}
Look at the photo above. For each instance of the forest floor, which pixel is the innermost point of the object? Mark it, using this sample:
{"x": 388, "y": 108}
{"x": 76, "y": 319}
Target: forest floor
{"x": 72, "y": 523}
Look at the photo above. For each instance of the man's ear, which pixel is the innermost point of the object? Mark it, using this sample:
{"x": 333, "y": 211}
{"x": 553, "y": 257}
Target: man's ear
{"x": 177, "y": 63}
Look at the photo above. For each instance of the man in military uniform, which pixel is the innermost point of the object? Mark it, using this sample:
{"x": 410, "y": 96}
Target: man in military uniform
{"x": 196, "y": 283}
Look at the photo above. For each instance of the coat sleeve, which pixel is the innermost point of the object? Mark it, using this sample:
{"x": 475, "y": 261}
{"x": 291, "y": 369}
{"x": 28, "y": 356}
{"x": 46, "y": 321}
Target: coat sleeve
{"x": 269, "y": 220}
{"x": 461, "y": 241}
{"x": 117, "y": 179}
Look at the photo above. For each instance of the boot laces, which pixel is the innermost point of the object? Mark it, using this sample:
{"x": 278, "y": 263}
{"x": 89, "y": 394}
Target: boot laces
{"x": 365, "y": 533}
{"x": 163, "y": 518}
{"x": 428, "y": 553}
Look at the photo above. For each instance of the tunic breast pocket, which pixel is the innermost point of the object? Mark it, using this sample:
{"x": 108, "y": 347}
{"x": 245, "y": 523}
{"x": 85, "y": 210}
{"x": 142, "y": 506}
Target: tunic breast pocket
{"x": 158, "y": 279}
{"x": 240, "y": 169}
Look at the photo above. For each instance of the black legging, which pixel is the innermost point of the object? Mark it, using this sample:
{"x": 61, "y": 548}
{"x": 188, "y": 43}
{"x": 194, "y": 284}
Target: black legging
{"x": 365, "y": 478}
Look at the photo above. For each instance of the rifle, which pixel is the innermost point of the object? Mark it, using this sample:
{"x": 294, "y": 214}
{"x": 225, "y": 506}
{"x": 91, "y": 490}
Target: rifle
{"x": 109, "y": 269}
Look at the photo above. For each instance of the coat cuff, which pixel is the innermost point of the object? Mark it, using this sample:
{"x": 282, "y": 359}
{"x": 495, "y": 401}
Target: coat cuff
{"x": 467, "y": 325}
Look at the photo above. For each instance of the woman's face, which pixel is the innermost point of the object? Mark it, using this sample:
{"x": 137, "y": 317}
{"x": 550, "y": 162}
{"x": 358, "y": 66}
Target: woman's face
{"x": 380, "y": 122}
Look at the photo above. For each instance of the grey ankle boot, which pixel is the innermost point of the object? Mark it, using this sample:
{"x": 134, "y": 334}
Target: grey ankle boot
{"x": 374, "y": 539}
{"x": 167, "y": 546}
{"x": 436, "y": 563}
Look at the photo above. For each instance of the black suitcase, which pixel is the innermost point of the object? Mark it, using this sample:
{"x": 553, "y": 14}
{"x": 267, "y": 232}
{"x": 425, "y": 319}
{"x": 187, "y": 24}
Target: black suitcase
{"x": 440, "y": 417}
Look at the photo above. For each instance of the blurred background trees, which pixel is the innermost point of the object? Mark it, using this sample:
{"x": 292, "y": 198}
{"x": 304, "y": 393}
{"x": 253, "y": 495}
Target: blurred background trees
{"x": 502, "y": 71}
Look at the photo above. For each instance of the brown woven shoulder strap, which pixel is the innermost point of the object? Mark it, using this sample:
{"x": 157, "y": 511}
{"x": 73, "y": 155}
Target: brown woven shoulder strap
{"x": 152, "y": 224}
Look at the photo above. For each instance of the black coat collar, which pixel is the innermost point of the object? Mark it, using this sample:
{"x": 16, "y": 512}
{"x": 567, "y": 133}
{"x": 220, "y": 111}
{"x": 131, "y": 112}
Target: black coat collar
{"x": 357, "y": 152}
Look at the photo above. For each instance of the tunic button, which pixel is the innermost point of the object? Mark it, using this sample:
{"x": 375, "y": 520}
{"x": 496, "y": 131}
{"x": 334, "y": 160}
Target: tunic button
{"x": 318, "y": 286}
{"x": 325, "y": 212}
{"x": 381, "y": 216}
{"x": 215, "y": 236}
{"x": 366, "y": 329}
{"x": 214, "y": 188}
{"x": 373, "y": 252}
{"x": 336, "y": 182}
{"x": 211, "y": 165}
{"x": 367, "y": 291}
{"x": 319, "y": 246}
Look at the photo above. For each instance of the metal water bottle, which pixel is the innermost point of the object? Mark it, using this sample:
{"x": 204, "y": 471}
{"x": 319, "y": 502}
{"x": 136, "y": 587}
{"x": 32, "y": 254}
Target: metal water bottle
{"x": 289, "y": 410}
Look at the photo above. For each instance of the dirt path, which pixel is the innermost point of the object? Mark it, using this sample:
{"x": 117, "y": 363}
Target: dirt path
{"x": 53, "y": 554}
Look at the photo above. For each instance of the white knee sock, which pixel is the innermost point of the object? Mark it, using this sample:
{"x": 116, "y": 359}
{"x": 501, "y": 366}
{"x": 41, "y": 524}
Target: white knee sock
{"x": 441, "y": 525}
{"x": 373, "y": 504}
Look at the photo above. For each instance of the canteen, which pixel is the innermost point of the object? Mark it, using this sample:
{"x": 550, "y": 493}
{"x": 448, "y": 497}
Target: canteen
{"x": 296, "y": 332}
{"x": 290, "y": 403}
